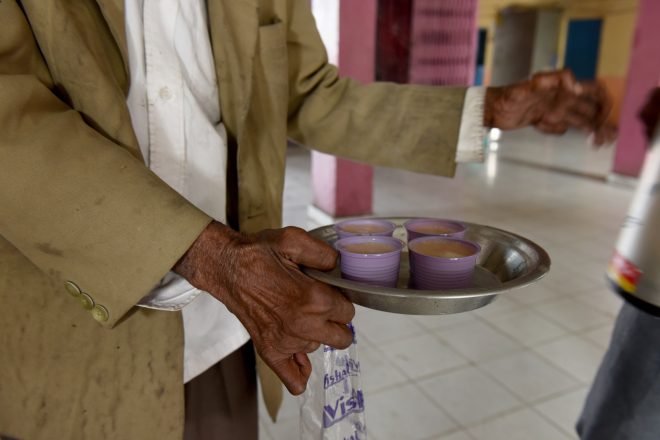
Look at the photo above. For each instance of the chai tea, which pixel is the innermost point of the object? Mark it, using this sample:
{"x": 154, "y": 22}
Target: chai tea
{"x": 443, "y": 249}
{"x": 369, "y": 248}
{"x": 433, "y": 229}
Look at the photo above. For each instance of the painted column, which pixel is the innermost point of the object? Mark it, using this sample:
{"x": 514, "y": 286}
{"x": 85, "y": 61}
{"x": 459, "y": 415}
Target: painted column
{"x": 341, "y": 187}
{"x": 420, "y": 41}
{"x": 643, "y": 75}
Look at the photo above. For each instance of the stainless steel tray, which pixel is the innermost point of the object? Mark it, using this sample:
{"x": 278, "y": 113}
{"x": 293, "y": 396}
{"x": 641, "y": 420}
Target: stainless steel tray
{"x": 507, "y": 261}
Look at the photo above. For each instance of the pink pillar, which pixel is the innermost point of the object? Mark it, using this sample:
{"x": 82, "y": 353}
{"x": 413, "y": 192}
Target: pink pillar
{"x": 342, "y": 187}
{"x": 643, "y": 75}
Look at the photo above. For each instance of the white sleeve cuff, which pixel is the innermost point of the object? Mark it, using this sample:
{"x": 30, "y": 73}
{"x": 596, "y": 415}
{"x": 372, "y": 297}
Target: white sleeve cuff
{"x": 472, "y": 132}
{"x": 172, "y": 293}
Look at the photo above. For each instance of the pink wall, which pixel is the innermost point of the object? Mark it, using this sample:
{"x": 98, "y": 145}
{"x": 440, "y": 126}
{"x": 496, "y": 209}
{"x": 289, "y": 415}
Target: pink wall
{"x": 341, "y": 187}
{"x": 643, "y": 75}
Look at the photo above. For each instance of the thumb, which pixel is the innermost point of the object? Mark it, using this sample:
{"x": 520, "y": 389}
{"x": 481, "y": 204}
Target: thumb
{"x": 294, "y": 371}
{"x": 305, "y": 250}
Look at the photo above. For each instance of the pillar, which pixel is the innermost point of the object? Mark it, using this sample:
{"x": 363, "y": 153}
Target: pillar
{"x": 643, "y": 75}
{"x": 341, "y": 187}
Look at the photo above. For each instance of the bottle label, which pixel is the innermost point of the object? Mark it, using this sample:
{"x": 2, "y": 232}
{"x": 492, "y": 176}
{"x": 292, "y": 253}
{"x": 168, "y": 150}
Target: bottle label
{"x": 624, "y": 273}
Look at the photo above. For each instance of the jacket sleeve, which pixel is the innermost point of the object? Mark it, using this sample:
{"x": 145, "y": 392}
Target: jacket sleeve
{"x": 404, "y": 126}
{"x": 82, "y": 208}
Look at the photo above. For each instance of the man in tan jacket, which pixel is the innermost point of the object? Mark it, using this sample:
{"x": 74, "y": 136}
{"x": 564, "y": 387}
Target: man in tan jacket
{"x": 87, "y": 230}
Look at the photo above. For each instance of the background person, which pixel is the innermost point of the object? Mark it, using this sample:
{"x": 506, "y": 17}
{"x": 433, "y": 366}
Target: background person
{"x": 624, "y": 400}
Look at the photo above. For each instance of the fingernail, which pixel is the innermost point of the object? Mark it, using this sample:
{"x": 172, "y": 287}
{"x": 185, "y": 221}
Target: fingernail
{"x": 578, "y": 89}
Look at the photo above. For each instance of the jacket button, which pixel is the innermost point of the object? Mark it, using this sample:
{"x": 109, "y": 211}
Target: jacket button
{"x": 72, "y": 288}
{"x": 100, "y": 313}
{"x": 86, "y": 301}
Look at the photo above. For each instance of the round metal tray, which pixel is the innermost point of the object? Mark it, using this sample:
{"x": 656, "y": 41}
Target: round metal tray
{"x": 507, "y": 261}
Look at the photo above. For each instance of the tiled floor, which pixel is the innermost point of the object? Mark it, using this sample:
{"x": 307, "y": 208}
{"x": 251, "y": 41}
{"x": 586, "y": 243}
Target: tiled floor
{"x": 566, "y": 152}
{"x": 521, "y": 367}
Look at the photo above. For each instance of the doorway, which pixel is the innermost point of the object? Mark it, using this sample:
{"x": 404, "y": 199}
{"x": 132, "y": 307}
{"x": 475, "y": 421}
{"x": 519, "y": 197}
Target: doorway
{"x": 582, "y": 48}
{"x": 482, "y": 38}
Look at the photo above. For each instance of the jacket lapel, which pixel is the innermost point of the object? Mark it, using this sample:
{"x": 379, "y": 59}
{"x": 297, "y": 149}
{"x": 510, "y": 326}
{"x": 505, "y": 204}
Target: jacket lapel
{"x": 234, "y": 27}
{"x": 113, "y": 12}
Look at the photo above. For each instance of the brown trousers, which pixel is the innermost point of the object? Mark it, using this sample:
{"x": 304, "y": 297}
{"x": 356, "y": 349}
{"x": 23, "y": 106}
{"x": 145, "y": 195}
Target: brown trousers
{"x": 221, "y": 403}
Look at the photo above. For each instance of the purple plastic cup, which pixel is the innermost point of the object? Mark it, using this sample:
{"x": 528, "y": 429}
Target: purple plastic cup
{"x": 430, "y": 272}
{"x": 435, "y": 227}
{"x": 365, "y": 226}
{"x": 372, "y": 260}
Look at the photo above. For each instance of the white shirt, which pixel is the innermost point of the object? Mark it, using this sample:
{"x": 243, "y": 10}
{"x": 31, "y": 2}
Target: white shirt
{"x": 175, "y": 111}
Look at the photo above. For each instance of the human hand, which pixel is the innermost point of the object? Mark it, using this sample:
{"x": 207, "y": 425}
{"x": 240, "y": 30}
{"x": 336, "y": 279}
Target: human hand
{"x": 650, "y": 114}
{"x": 552, "y": 102}
{"x": 258, "y": 278}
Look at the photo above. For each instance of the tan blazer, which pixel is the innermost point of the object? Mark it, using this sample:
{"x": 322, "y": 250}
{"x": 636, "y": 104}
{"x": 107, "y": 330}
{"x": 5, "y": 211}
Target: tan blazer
{"x": 86, "y": 229}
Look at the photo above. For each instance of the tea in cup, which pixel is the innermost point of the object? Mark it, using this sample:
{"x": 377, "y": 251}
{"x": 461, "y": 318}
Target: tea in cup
{"x": 372, "y": 260}
{"x": 423, "y": 227}
{"x": 439, "y": 263}
{"x": 365, "y": 226}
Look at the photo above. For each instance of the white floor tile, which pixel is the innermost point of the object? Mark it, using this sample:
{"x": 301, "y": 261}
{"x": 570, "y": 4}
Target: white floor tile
{"x": 290, "y": 408}
{"x": 404, "y": 413}
{"x": 478, "y": 341}
{"x": 377, "y": 371}
{"x": 458, "y": 435}
{"x": 603, "y": 300}
{"x": 520, "y": 425}
{"x": 378, "y": 327}
{"x": 296, "y": 217}
{"x": 422, "y": 355}
{"x": 601, "y": 335}
{"x": 263, "y": 432}
{"x": 572, "y": 314}
{"x": 537, "y": 293}
{"x": 502, "y": 304}
{"x": 597, "y": 269}
{"x": 575, "y": 355}
{"x": 288, "y": 429}
{"x": 565, "y": 409}
{"x": 435, "y": 322}
{"x": 569, "y": 280}
{"x": 528, "y": 375}
{"x": 468, "y": 395}
{"x": 527, "y": 327}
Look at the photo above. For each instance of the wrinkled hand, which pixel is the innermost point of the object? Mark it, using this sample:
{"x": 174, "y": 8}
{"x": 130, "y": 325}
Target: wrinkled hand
{"x": 258, "y": 278}
{"x": 650, "y": 114}
{"x": 552, "y": 102}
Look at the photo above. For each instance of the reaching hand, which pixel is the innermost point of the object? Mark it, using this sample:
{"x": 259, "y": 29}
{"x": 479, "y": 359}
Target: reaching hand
{"x": 552, "y": 102}
{"x": 258, "y": 278}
